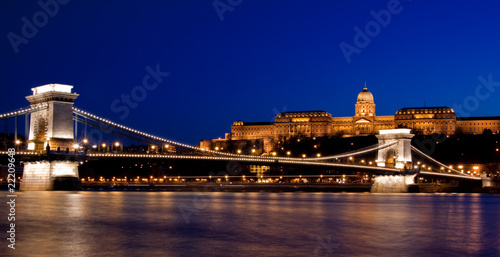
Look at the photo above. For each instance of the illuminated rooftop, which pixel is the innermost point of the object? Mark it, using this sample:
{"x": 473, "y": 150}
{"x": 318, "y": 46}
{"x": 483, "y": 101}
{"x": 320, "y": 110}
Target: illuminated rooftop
{"x": 52, "y": 88}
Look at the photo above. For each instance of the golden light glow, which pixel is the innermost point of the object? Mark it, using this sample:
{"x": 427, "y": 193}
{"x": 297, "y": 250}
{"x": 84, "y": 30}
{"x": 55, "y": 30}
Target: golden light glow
{"x": 85, "y": 141}
{"x": 117, "y": 144}
{"x": 103, "y": 144}
{"x": 239, "y": 151}
{"x": 300, "y": 119}
{"x": 424, "y": 116}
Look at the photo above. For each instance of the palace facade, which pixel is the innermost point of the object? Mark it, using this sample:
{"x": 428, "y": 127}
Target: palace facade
{"x": 422, "y": 120}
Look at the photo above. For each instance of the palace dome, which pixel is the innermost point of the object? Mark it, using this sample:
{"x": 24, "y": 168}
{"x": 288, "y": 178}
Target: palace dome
{"x": 365, "y": 96}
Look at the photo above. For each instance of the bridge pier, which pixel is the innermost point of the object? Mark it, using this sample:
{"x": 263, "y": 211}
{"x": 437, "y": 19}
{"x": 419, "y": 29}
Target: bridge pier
{"x": 50, "y": 175}
{"x": 395, "y": 184}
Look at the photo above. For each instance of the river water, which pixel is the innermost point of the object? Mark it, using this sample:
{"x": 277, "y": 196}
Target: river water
{"x": 93, "y": 223}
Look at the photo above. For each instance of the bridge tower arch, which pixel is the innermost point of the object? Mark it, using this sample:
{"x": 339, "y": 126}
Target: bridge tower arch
{"x": 52, "y": 125}
{"x": 397, "y": 155}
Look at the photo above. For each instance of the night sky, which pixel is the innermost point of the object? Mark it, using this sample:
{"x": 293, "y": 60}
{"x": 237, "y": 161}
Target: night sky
{"x": 227, "y": 60}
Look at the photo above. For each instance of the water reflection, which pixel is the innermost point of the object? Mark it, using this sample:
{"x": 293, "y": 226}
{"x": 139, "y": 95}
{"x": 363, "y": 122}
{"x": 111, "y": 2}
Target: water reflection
{"x": 256, "y": 224}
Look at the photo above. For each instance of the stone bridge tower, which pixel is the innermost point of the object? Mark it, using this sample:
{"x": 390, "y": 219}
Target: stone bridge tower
{"x": 397, "y": 155}
{"x": 53, "y": 125}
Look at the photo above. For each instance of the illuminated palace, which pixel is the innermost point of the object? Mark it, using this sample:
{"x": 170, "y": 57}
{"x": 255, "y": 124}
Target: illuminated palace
{"x": 422, "y": 120}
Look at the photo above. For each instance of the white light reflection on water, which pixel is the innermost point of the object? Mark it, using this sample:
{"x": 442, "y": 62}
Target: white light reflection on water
{"x": 255, "y": 224}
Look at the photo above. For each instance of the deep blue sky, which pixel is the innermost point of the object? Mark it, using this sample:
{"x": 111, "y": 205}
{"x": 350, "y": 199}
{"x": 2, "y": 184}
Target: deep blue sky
{"x": 264, "y": 57}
